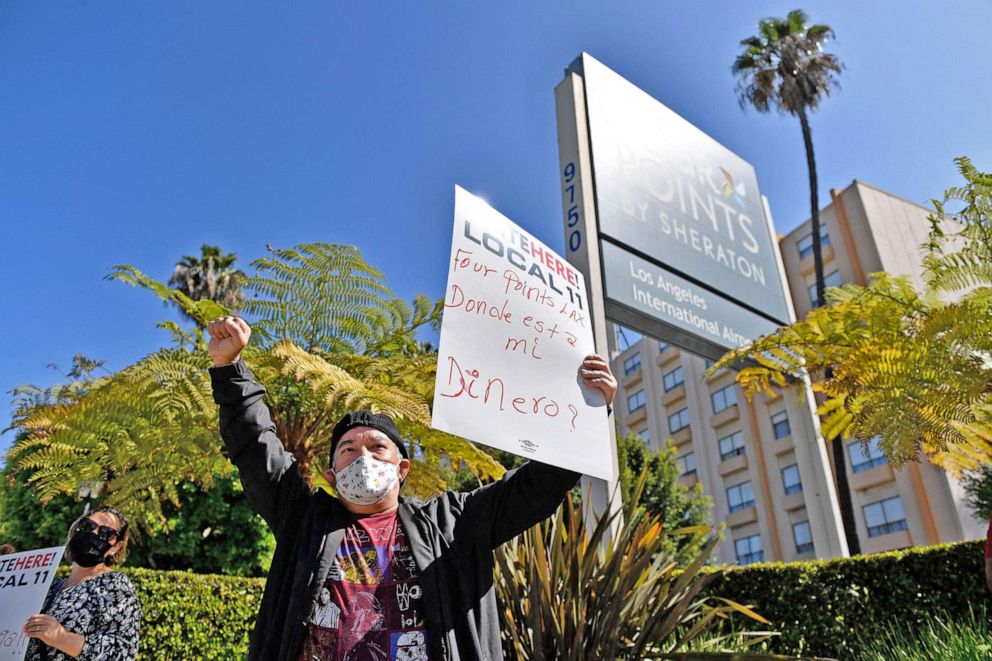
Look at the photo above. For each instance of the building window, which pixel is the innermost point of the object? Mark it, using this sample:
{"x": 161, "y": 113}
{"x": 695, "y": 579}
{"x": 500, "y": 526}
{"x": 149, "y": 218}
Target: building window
{"x": 832, "y": 279}
{"x": 861, "y": 461}
{"x": 740, "y": 497}
{"x": 724, "y": 398}
{"x": 636, "y": 401}
{"x": 803, "y": 535}
{"x": 805, "y": 244}
{"x": 673, "y": 379}
{"x": 749, "y": 550}
{"x": 687, "y": 463}
{"x": 732, "y": 446}
{"x": 780, "y": 425}
{"x": 678, "y": 420}
{"x": 662, "y": 346}
{"x": 632, "y": 364}
{"x": 790, "y": 479}
{"x": 646, "y": 435}
{"x": 884, "y": 517}
{"x": 709, "y": 363}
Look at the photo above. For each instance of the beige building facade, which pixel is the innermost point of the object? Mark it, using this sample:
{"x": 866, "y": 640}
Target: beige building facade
{"x": 757, "y": 460}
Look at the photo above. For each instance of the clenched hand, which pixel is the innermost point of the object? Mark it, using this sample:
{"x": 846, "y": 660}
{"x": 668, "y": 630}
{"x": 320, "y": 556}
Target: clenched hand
{"x": 228, "y": 336}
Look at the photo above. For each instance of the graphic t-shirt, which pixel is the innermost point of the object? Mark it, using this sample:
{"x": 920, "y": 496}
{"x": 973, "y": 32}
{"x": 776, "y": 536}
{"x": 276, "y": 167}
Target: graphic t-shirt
{"x": 369, "y": 607}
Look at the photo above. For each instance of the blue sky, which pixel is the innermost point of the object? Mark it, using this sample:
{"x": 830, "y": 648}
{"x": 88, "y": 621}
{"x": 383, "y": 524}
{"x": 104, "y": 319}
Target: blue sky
{"x": 134, "y": 132}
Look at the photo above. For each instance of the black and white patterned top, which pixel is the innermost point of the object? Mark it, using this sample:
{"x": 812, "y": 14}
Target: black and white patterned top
{"x": 104, "y": 609}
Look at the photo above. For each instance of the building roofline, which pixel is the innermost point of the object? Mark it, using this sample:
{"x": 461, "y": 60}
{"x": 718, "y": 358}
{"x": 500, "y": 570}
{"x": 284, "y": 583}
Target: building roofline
{"x": 891, "y": 194}
{"x": 854, "y": 183}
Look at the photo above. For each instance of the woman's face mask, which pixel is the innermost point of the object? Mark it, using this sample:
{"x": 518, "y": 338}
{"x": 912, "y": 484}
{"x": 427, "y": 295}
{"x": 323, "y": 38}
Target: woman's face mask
{"x": 90, "y": 543}
{"x": 366, "y": 480}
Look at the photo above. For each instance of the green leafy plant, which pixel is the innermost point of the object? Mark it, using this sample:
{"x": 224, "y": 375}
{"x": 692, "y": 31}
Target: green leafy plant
{"x": 332, "y": 339}
{"x": 978, "y": 491}
{"x": 569, "y": 592}
{"x": 835, "y": 608}
{"x": 677, "y": 506}
{"x": 941, "y": 639}
{"x": 914, "y": 368}
{"x": 195, "y": 616}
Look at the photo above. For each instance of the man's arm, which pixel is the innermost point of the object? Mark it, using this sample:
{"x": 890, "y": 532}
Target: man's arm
{"x": 523, "y": 498}
{"x": 271, "y": 480}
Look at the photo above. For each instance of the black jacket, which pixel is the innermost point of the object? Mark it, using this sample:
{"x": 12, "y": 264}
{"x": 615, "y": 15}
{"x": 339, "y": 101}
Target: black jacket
{"x": 452, "y": 535}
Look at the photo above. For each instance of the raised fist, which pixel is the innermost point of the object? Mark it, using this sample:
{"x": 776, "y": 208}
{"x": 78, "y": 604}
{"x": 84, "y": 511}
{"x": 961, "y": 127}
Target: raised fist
{"x": 228, "y": 336}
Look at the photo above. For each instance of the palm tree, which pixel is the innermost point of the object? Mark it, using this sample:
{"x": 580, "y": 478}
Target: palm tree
{"x": 785, "y": 68}
{"x": 209, "y": 276}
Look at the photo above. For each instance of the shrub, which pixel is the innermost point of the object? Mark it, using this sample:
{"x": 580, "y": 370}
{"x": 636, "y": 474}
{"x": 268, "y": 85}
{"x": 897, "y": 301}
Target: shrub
{"x": 834, "y": 608}
{"x": 568, "y": 594}
{"x": 830, "y": 608}
{"x": 195, "y": 616}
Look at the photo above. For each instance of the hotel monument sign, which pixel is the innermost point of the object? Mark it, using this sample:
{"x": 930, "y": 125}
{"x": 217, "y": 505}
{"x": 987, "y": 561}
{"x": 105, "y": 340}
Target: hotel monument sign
{"x": 673, "y": 218}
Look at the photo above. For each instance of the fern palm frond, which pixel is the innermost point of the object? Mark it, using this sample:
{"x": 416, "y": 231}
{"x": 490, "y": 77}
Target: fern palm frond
{"x": 905, "y": 366}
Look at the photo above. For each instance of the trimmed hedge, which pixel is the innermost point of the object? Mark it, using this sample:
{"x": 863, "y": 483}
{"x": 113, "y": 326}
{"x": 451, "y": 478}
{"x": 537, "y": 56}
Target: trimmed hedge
{"x": 829, "y": 608}
{"x": 195, "y": 616}
{"x": 823, "y": 608}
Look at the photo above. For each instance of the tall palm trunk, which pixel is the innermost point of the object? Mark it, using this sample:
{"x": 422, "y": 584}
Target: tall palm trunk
{"x": 836, "y": 445}
{"x": 814, "y": 205}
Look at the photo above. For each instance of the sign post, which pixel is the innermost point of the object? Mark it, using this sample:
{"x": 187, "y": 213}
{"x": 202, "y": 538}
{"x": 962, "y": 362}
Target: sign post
{"x": 674, "y": 238}
{"x": 583, "y": 251}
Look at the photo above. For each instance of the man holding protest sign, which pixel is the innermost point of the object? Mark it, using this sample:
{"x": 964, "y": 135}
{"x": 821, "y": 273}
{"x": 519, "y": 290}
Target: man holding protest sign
{"x": 370, "y": 574}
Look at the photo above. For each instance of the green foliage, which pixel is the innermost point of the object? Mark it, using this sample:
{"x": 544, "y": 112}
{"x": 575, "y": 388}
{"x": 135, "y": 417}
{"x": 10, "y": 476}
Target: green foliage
{"x": 213, "y": 531}
{"x": 195, "y": 616}
{"x": 968, "y": 639}
{"x": 911, "y": 367}
{"x": 675, "y": 505}
{"x": 318, "y": 295}
{"x": 831, "y": 608}
{"x": 202, "y": 312}
{"x": 978, "y": 491}
{"x": 137, "y": 434}
{"x": 568, "y": 592}
{"x": 784, "y": 67}
{"x": 142, "y": 432}
{"x": 27, "y": 524}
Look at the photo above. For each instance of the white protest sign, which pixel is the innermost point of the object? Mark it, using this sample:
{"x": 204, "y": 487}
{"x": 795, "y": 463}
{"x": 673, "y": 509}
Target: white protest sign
{"x": 514, "y": 333}
{"x": 24, "y": 581}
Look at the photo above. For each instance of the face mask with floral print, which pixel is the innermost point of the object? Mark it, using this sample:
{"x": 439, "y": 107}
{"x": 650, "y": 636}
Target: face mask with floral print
{"x": 366, "y": 480}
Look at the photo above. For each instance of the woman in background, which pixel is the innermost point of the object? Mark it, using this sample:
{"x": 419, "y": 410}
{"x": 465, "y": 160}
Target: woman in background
{"x": 93, "y": 613}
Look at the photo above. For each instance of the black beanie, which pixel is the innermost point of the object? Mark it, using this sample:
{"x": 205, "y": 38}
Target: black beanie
{"x": 379, "y": 421}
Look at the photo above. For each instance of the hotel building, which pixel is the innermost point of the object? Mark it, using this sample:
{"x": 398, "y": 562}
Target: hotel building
{"x": 752, "y": 458}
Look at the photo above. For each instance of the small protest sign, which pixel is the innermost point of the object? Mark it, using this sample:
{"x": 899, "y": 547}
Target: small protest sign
{"x": 515, "y": 330}
{"x": 24, "y": 581}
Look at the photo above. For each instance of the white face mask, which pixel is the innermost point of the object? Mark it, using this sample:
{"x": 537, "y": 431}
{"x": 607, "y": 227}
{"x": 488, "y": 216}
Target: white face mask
{"x": 366, "y": 480}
